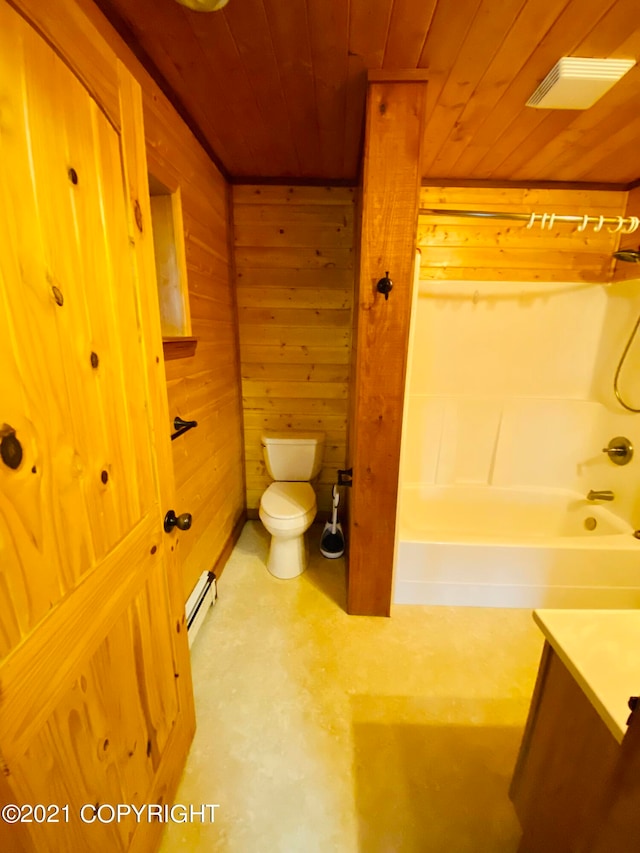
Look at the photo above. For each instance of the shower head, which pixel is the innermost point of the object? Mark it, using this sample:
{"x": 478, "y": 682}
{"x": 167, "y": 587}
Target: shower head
{"x": 631, "y": 256}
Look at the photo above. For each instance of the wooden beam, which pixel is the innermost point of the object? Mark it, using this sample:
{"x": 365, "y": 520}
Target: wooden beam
{"x": 390, "y": 196}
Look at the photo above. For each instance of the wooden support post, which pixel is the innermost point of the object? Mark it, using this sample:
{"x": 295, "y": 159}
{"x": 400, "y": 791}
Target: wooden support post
{"x": 390, "y": 195}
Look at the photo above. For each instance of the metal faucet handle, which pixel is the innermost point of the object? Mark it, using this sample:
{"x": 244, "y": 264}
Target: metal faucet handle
{"x": 619, "y": 450}
{"x": 605, "y": 495}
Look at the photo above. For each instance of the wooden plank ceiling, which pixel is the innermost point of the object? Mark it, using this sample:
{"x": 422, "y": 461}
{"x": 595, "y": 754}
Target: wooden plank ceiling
{"x": 276, "y": 88}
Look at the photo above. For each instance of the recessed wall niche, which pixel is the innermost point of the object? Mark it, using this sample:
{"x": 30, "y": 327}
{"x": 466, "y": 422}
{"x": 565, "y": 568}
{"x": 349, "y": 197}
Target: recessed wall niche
{"x": 171, "y": 270}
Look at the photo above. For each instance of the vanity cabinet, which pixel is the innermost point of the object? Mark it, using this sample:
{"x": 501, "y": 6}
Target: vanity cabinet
{"x": 573, "y": 788}
{"x": 566, "y": 758}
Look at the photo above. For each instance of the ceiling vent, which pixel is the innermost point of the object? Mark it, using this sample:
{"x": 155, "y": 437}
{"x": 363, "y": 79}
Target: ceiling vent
{"x": 576, "y": 84}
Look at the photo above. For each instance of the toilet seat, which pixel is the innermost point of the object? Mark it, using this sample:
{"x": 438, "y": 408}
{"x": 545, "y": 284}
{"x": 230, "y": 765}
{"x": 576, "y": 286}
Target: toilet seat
{"x": 288, "y": 501}
{"x": 287, "y": 510}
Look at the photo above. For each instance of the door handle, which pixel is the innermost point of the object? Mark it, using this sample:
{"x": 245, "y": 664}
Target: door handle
{"x": 182, "y": 522}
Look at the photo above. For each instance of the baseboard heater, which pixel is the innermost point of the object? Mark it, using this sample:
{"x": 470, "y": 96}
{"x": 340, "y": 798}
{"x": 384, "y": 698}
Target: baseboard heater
{"x": 203, "y": 597}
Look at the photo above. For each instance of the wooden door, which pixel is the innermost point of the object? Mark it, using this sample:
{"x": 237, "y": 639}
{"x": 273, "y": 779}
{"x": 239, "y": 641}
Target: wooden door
{"x": 95, "y": 700}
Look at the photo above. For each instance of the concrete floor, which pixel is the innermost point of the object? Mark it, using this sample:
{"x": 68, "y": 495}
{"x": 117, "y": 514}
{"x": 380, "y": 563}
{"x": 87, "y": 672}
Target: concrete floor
{"x": 321, "y": 732}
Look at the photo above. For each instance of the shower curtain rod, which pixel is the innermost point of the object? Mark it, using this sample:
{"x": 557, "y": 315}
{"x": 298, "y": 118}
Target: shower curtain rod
{"x": 624, "y": 224}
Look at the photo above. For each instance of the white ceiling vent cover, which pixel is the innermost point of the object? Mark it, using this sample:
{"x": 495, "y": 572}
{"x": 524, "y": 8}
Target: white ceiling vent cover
{"x": 576, "y": 84}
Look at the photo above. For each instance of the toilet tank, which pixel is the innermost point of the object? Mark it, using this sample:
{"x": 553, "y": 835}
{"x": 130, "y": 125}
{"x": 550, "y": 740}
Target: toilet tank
{"x": 293, "y": 456}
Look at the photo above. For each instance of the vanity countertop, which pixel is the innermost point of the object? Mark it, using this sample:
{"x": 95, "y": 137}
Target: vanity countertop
{"x": 601, "y": 649}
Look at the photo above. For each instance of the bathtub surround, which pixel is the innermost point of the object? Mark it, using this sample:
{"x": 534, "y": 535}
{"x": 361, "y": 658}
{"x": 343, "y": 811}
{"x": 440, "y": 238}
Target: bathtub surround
{"x": 510, "y": 388}
{"x": 329, "y": 736}
{"x": 534, "y": 405}
{"x": 520, "y": 412}
{"x": 519, "y": 416}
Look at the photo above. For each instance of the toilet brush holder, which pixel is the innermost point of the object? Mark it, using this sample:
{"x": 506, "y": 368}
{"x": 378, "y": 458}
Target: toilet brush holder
{"x": 332, "y": 539}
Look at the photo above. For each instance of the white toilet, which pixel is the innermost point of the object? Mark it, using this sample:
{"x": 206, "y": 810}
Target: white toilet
{"x": 288, "y": 506}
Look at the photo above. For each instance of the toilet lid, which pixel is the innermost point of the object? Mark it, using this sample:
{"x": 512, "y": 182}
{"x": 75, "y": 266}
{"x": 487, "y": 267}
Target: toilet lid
{"x": 288, "y": 500}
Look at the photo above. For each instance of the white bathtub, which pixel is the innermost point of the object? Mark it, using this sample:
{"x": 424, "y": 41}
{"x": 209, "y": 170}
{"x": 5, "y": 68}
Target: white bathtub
{"x": 496, "y": 547}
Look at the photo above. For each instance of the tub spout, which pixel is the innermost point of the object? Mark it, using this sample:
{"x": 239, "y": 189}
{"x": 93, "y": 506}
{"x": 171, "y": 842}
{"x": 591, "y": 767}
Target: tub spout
{"x": 606, "y": 495}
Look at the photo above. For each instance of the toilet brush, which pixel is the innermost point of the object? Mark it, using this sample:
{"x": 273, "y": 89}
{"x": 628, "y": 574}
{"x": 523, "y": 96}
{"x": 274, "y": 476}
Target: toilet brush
{"x": 332, "y": 539}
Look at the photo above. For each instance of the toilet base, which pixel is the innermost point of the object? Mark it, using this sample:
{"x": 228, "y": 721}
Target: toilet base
{"x": 288, "y": 558}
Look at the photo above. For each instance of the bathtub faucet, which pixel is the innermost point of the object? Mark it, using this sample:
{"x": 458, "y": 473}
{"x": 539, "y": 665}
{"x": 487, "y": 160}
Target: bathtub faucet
{"x": 606, "y": 495}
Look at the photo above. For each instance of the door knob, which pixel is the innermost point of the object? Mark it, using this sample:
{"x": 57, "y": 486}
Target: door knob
{"x": 182, "y": 522}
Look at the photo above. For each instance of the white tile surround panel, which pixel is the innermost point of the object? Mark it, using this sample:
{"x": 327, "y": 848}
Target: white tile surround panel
{"x": 502, "y": 441}
{"x": 506, "y": 389}
{"x": 503, "y": 339}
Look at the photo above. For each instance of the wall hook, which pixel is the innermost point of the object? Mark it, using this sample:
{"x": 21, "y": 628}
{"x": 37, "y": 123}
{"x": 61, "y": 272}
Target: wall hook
{"x": 345, "y": 477}
{"x": 385, "y": 285}
{"x": 181, "y": 426}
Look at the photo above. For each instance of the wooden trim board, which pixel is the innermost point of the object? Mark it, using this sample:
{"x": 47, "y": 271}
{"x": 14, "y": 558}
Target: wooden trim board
{"x": 179, "y": 347}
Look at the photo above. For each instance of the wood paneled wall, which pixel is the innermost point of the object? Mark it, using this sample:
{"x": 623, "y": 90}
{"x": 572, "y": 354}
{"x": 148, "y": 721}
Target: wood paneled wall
{"x": 208, "y": 461}
{"x": 625, "y": 271}
{"x": 494, "y": 250}
{"x": 294, "y": 273}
